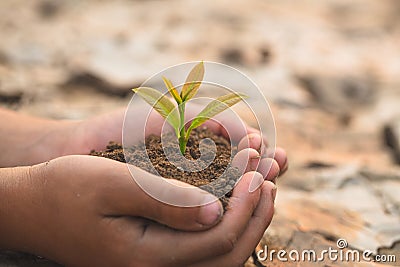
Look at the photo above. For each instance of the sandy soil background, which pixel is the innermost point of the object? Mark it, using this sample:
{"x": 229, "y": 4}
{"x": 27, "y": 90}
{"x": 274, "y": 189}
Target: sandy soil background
{"x": 330, "y": 69}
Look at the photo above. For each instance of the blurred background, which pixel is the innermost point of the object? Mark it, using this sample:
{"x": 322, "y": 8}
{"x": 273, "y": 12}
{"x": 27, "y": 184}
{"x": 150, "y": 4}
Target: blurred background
{"x": 330, "y": 69}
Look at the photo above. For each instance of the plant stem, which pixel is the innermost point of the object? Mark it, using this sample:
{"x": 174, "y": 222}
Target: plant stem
{"x": 182, "y": 139}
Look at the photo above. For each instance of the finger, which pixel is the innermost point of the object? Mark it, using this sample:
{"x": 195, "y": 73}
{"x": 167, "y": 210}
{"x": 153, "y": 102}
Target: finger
{"x": 259, "y": 222}
{"x": 246, "y": 160}
{"x": 279, "y": 154}
{"x": 175, "y": 204}
{"x": 252, "y": 130}
{"x": 252, "y": 140}
{"x": 120, "y": 195}
{"x": 269, "y": 168}
{"x": 217, "y": 241}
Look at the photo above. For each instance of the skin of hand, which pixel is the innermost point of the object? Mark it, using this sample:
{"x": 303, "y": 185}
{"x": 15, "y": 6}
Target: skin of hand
{"x": 88, "y": 211}
{"x": 83, "y": 203}
{"x": 29, "y": 140}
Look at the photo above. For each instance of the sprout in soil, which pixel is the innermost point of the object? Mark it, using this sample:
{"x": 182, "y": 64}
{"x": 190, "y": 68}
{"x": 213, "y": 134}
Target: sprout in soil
{"x": 176, "y": 116}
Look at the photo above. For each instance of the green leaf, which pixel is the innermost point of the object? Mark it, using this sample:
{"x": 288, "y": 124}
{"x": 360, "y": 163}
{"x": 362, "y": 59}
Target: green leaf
{"x": 172, "y": 90}
{"x": 215, "y": 107}
{"x": 193, "y": 82}
{"x": 161, "y": 104}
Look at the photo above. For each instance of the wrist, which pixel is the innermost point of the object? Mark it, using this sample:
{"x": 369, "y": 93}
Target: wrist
{"x": 14, "y": 191}
{"x": 28, "y": 140}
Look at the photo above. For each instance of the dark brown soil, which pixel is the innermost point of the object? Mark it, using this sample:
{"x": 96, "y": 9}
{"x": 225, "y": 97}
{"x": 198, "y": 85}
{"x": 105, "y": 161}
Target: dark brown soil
{"x": 219, "y": 171}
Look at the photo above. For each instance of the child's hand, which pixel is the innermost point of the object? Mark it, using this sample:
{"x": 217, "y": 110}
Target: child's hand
{"x": 95, "y": 133}
{"x": 85, "y": 211}
{"x": 28, "y": 140}
{"x": 88, "y": 211}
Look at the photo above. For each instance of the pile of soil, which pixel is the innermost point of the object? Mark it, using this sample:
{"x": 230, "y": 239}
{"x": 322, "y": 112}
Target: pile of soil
{"x": 153, "y": 159}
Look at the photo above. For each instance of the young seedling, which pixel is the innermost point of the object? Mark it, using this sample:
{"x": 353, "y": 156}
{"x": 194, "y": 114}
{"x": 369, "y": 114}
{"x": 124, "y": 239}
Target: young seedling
{"x": 176, "y": 116}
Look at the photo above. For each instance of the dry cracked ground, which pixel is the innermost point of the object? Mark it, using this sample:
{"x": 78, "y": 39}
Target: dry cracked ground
{"x": 330, "y": 70}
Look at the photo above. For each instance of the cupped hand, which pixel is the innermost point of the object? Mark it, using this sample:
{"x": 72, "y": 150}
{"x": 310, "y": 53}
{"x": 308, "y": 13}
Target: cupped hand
{"x": 85, "y": 211}
{"x": 88, "y": 211}
{"x": 95, "y": 133}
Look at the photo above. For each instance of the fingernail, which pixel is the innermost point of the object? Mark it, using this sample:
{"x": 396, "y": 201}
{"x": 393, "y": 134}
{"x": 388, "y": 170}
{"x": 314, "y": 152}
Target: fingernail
{"x": 260, "y": 142}
{"x": 256, "y": 182}
{"x": 210, "y": 213}
{"x": 273, "y": 192}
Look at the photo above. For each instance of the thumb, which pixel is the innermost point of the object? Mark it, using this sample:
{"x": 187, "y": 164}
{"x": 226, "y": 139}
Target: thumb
{"x": 178, "y": 205}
